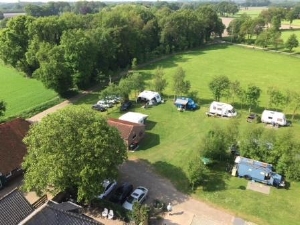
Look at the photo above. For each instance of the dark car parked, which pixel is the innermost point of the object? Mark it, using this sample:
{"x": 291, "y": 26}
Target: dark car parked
{"x": 126, "y": 105}
{"x": 98, "y": 108}
{"x": 121, "y": 193}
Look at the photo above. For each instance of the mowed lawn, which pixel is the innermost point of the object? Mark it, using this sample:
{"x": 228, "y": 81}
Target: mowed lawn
{"x": 20, "y": 93}
{"x": 173, "y": 138}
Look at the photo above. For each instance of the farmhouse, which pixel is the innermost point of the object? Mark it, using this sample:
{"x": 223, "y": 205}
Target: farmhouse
{"x": 12, "y": 148}
{"x": 134, "y": 117}
{"x": 132, "y": 133}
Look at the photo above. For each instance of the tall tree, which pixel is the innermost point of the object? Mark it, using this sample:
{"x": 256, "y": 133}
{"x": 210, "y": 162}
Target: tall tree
{"x": 180, "y": 85}
{"x": 159, "y": 82}
{"x": 252, "y": 96}
{"x": 291, "y": 42}
{"x": 214, "y": 145}
{"x": 219, "y": 86}
{"x": 72, "y": 148}
{"x": 197, "y": 172}
{"x": 293, "y": 99}
{"x": 276, "y": 97}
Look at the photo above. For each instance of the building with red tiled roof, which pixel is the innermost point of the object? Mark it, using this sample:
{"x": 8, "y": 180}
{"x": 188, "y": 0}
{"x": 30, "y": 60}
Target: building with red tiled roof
{"x": 132, "y": 133}
{"x": 12, "y": 148}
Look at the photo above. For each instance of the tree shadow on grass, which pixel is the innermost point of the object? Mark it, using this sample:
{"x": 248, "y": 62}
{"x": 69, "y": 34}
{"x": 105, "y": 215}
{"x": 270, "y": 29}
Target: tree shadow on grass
{"x": 175, "y": 174}
{"x": 150, "y": 140}
{"x": 216, "y": 179}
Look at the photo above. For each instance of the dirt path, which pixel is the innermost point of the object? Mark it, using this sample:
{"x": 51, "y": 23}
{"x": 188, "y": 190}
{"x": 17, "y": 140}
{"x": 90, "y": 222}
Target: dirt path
{"x": 186, "y": 210}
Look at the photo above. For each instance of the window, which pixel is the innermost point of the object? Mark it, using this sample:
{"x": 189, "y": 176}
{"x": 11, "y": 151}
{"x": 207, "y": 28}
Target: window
{"x": 134, "y": 136}
{"x": 270, "y": 118}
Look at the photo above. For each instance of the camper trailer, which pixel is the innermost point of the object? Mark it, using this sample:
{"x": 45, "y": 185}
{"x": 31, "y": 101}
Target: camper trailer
{"x": 273, "y": 117}
{"x": 151, "y": 97}
{"x": 221, "y": 109}
{"x": 134, "y": 117}
{"x": 257, "y": 171}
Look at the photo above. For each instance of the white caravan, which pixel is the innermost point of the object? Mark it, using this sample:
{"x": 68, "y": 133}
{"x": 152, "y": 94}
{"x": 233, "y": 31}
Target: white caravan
{"x": 273, "y": 117}
{"x": 134, "y": 117}
{"x": 222, "y": 109}
{"x": 149, "y": 96}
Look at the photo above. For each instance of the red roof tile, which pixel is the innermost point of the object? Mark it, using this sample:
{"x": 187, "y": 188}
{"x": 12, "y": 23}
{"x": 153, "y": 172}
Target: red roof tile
{"x": 12, "y": 148}
{"x": 124, "y": 127}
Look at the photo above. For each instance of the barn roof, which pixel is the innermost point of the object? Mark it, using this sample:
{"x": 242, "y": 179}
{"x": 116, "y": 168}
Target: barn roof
{"x": 12, "y": 148}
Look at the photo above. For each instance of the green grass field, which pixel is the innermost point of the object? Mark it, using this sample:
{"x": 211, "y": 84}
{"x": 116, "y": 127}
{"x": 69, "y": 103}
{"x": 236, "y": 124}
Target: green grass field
{"x": 173, "y": 138}
{"x": 251, "y": 11}
{"x": 22, "y": 94}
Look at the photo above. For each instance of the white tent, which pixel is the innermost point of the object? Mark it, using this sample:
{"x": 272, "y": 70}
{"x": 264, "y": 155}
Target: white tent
{"x": 134, "y": 117}
{"x": 150, "y": 96}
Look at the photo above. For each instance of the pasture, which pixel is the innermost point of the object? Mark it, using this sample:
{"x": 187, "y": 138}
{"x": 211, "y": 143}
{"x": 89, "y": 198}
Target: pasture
{"x": 23, "y": 95}
{"x": 173, "y": 137}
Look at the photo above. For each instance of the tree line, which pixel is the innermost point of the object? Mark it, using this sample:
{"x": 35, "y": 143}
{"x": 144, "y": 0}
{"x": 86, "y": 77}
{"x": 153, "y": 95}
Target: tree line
{"x": 265, "y": 27}
{"x": 76, "y": 51}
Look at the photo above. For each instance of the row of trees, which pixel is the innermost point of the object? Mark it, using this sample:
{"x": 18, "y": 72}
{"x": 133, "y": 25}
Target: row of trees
{"x": 89, "y": 7}
{"x": 221, "y": 86}
{"x": 266, "y": 28}
{"x": 75, "y": 51}
{"x": 281, "y": 149}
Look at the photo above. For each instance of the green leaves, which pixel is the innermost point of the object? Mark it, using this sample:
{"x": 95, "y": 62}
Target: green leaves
{"x": 72, "y": 148}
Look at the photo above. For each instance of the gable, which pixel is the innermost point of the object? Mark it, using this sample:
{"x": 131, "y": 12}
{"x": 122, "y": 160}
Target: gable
{"x": 12, "y": 148}
{"x": 125, "y": 128}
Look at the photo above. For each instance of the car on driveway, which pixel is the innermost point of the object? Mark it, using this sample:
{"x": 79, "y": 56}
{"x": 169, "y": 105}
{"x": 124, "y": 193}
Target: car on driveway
{"x": 98, "y": 108}
{"x": 109, "y": 186}
{"x": 138, "y": 195}
{"x": 121, "y": 193}
{"x": 126, "y": 105}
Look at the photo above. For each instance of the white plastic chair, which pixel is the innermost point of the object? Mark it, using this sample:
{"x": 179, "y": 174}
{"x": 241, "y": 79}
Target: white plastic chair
{"x": 110, "y": 214}
{"x": 105, "y": 212}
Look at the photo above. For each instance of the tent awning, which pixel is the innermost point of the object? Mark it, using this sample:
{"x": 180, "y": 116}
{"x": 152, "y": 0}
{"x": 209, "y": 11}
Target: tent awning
{"x": 181, "y": 102}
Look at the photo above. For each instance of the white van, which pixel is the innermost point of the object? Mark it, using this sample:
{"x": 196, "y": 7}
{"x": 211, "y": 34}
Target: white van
{"x": 273, "y": 117}
{"x": 221, "y": 109}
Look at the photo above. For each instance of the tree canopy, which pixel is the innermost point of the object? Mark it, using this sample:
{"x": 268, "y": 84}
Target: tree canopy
{"x": 218, "y": 86}
{"x": 73, "y": 148}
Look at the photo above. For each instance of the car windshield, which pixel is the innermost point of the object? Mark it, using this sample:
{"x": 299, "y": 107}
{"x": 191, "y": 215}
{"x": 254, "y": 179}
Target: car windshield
{"x": 131, "y": 199}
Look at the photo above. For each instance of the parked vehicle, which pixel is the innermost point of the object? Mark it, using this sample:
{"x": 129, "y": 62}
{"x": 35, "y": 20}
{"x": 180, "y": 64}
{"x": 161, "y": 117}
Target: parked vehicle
{"x": 113, "y": 99}
{"x": 149, "y": 96}
{"x": 98, "y": 108}
{"x": 138, "y": 195}
{"x": 109, "y": 186}
{"x": 253, "y": 118}
{"x": 126, "y": 106}
{"x": 221, "y": 109}
{"x": 121, "y": 193}
{"x": 183, "y": 103}
{"x": 257, "y": 171}
{"x": 273, "y": 117}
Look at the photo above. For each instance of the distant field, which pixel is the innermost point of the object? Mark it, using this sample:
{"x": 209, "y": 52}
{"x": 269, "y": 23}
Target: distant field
{"x": 251, "y": 11}
{"x": 20, "y": 93}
